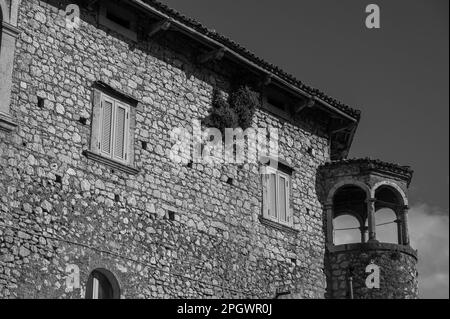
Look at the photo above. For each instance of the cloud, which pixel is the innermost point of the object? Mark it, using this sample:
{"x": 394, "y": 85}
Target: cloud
{"x": 429, "y": 233}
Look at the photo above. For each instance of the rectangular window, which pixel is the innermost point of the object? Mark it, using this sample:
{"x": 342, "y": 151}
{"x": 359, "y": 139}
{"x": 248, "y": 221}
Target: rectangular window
{"x": 114, "y": 129}
{"x": 276, "y": 197}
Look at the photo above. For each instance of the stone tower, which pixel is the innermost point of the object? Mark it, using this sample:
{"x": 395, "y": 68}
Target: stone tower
{"x": 361, "y": 188}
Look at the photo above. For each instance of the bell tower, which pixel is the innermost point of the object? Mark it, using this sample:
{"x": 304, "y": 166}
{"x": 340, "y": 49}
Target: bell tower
{"x": 364, "y": 260}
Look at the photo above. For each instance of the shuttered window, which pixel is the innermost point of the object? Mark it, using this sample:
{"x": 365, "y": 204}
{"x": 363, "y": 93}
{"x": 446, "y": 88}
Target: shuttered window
{"x": 276, "y": 197}
{"x": 272, "y": 191}
{"x": 119, "y": 130}
{"x": 106, "y": 129}
{"x": 114, "y": 128}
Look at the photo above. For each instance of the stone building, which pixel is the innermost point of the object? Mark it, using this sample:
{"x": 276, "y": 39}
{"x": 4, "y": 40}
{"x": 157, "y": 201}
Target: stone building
{"x": 91, "y": 206}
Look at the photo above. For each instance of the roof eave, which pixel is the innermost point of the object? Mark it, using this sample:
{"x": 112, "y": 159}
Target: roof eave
{"x": 217, "y": 45}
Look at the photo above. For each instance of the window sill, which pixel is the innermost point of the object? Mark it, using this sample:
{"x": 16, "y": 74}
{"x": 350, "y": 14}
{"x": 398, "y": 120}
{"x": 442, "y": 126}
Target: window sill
{"x": 109, "y": 162}
{"x": 276, "y": 225}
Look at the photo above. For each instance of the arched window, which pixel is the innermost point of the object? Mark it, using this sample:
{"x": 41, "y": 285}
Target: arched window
{"x": 102, "y": 285}
{"x": 390, "y": 227}
{"x": 349, "y": 215}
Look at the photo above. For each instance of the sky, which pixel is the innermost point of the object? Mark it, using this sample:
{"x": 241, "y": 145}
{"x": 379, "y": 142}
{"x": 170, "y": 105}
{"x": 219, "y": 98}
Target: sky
{"x": 397, "y": 75}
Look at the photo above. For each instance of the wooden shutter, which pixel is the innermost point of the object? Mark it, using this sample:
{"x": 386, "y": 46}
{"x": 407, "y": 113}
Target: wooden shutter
{"x": 265, "y": 184}
{"x": 106, "y": 126}
{"x": 282, "y": 196}
{"x": 272, "y": 198}
{"x": 289, "y": 209}
{"x": 96, "y": 121}
{"x": 120, "y": 128}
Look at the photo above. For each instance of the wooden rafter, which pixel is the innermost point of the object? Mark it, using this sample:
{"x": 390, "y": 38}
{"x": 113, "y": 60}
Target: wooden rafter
{"x": 214, "y": 55}
{"x": 267, "y": 80}
{"x": 157, "y": 27}
{"x": 309, "y": 103}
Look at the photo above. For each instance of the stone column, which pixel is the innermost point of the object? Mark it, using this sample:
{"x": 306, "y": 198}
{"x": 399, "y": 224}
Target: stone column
{"x": 7, "y": 49}
{"x": 399, "y": 222}
{"x": 363, "y": 230}
{"x": 404, "y": 225}
{"x": 329, "y": 213}
{"x": 371, "y": 220}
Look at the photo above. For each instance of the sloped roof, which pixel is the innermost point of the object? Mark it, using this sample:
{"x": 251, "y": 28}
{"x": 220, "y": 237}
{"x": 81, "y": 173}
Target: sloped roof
{"x": 271, "y": 68}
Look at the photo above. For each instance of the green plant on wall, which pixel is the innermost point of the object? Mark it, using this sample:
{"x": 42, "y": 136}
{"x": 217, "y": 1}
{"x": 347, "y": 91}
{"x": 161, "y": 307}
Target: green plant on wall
{"x": 221, "y": 116}
{"x": 244, "y": 103}
{"x": 237, "y": 111}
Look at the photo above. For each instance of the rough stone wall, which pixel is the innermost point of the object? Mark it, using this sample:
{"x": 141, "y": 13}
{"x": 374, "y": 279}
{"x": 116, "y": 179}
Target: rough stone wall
{"x": 96, "y": 217}
{"x": 398, "y": 274}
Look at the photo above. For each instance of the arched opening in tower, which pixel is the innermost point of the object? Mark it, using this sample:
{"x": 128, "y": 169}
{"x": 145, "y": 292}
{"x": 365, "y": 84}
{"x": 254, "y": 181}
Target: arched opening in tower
{"x": 349, "y": 215}
{"x": 389, "y": 206}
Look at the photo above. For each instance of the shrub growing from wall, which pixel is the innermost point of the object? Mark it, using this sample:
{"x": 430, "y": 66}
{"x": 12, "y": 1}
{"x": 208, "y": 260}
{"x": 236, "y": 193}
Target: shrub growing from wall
{"x": 237, "y": 111}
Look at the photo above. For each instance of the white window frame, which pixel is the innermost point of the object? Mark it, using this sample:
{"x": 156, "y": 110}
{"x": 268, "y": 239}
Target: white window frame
{"x": 115, "y": 105}
{"x": 266, "y": 198}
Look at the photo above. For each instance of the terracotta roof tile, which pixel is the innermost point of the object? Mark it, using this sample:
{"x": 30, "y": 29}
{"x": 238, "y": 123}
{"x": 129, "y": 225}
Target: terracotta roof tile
{"x": 252, "y": 57}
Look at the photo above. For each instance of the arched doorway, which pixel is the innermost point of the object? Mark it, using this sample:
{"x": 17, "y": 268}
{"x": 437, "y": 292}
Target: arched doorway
{"x": 102, "y": 284}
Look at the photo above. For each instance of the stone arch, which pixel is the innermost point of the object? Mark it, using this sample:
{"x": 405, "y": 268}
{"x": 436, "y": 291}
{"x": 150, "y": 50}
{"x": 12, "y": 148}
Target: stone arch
{"x": 346, "y": 182}
{"x": 357, "y": 210}
{"x": 396, "y": 190}
{"x": 109, "y": 282}
{"x": 100, "y": 263}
